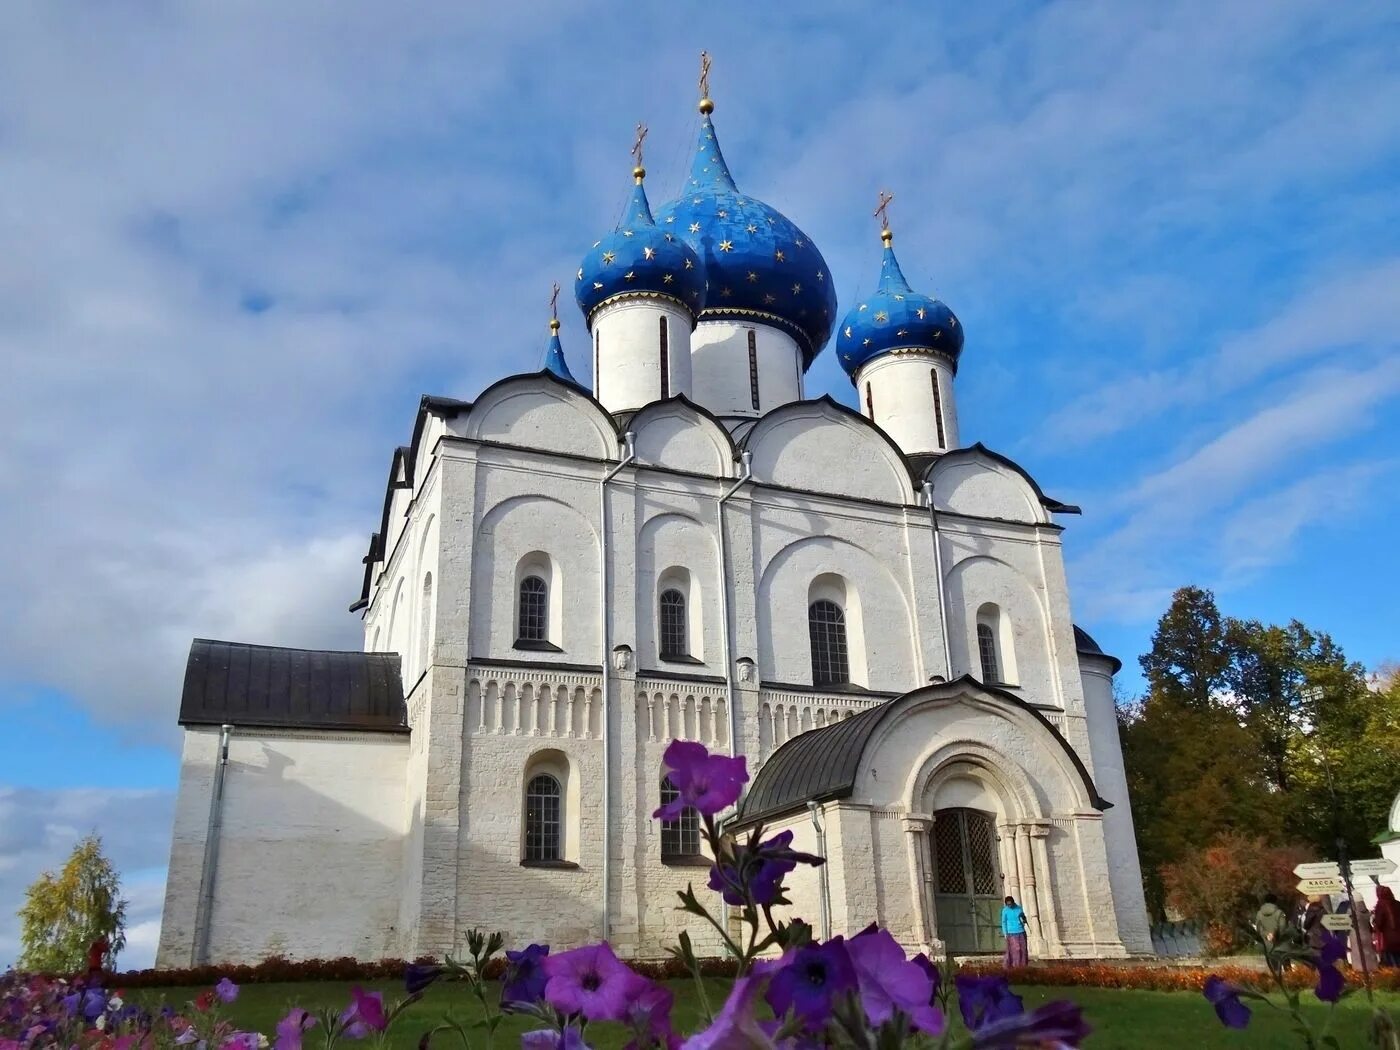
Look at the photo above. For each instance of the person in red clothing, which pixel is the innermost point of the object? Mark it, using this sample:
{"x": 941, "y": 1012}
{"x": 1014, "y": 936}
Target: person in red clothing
{"x": 97, "y": 955}
{"x": 1385, "y": 921}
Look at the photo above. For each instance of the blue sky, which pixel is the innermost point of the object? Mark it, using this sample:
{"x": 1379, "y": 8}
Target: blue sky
{"x": 240, "y": 240}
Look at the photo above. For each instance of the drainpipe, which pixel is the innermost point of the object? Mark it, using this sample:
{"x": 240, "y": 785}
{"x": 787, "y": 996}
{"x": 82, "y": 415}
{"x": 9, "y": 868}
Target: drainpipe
{"x": 816, "y": 811}
{"x": 938, "y": 569}
{"x": 745, "y": 473}
{"x": 199, "y": 956}
{"x": 629, "y": 453}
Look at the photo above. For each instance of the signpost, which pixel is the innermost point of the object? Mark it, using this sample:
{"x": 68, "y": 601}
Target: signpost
{"x": 1378, "y": 866}
{"x": 1313, "y": 886}
{"x": 1322, "y": 869}
{"x": 1334, "y": 876}
{"x": 1336, "y": 923}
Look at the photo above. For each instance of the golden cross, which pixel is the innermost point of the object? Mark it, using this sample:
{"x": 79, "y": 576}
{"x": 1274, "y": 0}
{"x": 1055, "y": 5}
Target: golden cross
{"x": 704, "y": 74}
{"x": 882, "y": 212}
{"x": 554, "y": 301}
{"x": 637, "y": 146}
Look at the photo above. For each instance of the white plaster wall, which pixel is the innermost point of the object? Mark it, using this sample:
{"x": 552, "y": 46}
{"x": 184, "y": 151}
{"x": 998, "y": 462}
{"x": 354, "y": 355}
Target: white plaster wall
{"x": 817, "y": 447}
{"x": 179, "y": 914}
{"x": 678, "y": 437}
{"x": 310, "y": 851}
{"x": 674, "y": 537}
{"x": 978, "y": 486}
{"x": 900, "y": 388}
{"x": 719, "y": 353}
{"x": 627, "y": 352}
{"x": 539, "y": 413}
{"x": 1124, "y": 868}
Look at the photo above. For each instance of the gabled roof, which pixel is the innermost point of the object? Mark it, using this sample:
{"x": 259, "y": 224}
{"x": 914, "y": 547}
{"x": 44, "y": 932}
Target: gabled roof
{"x": 821, "y": 764}
{"x": 239, "y": 684}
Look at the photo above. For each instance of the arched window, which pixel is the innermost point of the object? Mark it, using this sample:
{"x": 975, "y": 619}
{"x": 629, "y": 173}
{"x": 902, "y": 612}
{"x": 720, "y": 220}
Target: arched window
{"x": 543, "y": 819}
{"x": 425, "y": 624}
{"x": 665, "y": 358}
{"x": 532, "y": 624}
{"x": 679, "y": 838}
{"x": 826, "y": 626}
{"x": 987, "y": 650}
{"x": 672, "y": 626}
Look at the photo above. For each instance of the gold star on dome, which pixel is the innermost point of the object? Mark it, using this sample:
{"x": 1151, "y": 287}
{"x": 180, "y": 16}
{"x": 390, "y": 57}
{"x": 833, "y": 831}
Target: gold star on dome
{"x": 597, "y": 286}
{"x": 865, "y": 342}
{"x": 800, "y": 243}
{"x": 726, "y": 246}
{"x": 689, "y": 265}
{"x": 901, "y": 332}
{"x": 580, "y": 273}
{"x": 779, "y": 256}
{"x": 648, "y": 252}
{"x": 726, "y": 292}
{"x": 629, "y": 275}
{"x": 938, "y": 334}
{"x": 769, "y": 300}
{"x": 899, "y": 298}
{"x": 596, "y": 243}
{"x": 751, "y": 277}
{"x": 881, "y": 317}
{"x": 667, "y": 278}
{"x": 670, "y": 218}
{"x": 920, "y": 311}
{"x": 695, "y": 201}
{"x": 863, "y": 307}
{"x": 796, "y": 288}
{"x": 952, "y": 322}
{"x": 848, "y": 331}
{"x": 771, "y": 220}
{"x": 750, "y": 228}
{"x": 821, "y": 276}
{"x": 608, "y": 257}
{"x": 694, "y": 227}
{"x": 722, "y": 214}
{"x": 627, "y": 233}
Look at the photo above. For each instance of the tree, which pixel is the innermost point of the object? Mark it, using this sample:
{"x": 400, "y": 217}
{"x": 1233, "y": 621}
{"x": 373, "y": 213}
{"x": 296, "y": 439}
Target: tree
{"x": 1189, "y": 655}
{"x": 64, "y": 914}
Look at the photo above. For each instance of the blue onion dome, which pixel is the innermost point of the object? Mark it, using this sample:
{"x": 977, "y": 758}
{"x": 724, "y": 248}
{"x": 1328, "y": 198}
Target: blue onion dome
{"x": 554, "y": 354}
{"x": 639, "y": 259}
{"x": 896, "y": 319}
{"x": 758, "y": 264}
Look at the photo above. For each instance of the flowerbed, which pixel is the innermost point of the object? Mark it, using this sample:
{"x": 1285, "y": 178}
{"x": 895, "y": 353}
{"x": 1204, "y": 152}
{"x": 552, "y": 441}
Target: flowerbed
{"x": 1171, "y": 978}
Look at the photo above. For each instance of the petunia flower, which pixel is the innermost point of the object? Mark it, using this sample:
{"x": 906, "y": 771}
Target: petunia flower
{"x": 887, "y": 982}
{"x": 1059, "y": 1024}
{"x": 1330, "y": 981}
{"x": 705, "y": 782}
{"x": 226, "y": 990}
{"x": 591, "y": 981}
{"x": 735, "y": 1027}
{"x": 291, "y": 1028}
{"x": 549, "y": 1039}
{"x": 649, "y": 1017}
{"x": 417, "y": 977}
{"x": 524, "y": 978}
{"x": 809, "y": 984}
{"x": 1225, "y": 997}
{"x": 983, "y": 1000}
{"x": 365, "y": 1013}
{"x": 932, "y": 972}
{"x": 763, "y": 871}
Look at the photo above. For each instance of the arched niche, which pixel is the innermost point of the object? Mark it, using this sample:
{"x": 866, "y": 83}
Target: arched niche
{"x": 540, "y": 412}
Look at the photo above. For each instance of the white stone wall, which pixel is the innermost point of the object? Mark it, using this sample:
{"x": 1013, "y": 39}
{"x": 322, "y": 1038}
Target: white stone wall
{"x": 720, "y": 373}
{"x": 310, "y": 847}
{"x": 899, "y": 390}
{"x": 627, "y": 353}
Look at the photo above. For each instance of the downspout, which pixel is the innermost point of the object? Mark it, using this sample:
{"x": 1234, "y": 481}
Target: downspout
{"x": 816, "y": 811}
{"x": 629, "y": 453}
{"x": 745, "y": 473}
{"x": 199, "y": 956}
{"x": 938, "y": 570}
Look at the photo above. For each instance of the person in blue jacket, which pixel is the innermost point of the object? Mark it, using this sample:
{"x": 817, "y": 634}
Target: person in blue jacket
{"x": 1013, "y": 925}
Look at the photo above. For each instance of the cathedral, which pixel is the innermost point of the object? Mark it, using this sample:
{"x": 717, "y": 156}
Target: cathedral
{"x": 568, "y": 575}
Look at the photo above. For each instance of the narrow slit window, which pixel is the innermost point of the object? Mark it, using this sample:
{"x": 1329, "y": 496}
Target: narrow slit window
{"x": 665, "y": 360}
{"x": 869, "y": 402}
{"x": 542, "y": 819}
{"x": 937, "y": 407}
{"x": 597, "y": 359}
{"x": 679, "y": 838}
{"x": 826, "y": 626}
{"x": 753, "y": 369}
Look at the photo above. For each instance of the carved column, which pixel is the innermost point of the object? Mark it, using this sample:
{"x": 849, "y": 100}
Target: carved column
{"x": 1010, "y": 867}
{"x": 916, "y": 838}
{"x": 1050, "y": 926}
{"x": 1029, "y": 885}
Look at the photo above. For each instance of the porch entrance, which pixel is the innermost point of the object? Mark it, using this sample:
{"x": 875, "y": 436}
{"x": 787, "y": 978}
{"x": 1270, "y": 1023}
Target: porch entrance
{"x": 967, "y": 884}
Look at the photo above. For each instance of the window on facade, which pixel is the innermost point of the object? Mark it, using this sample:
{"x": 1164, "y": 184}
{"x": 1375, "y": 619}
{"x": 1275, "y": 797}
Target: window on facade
{"x": 597, "y": 359}
{"x": 753, "y": 369}
{"x": 937, "y": 407}
{"x": 672, "y": 625}
{"x": 869, "y": 402}
{"x": 665, "y": 359}
{"x": 679, "y": 838}
{"x": 543, "y": 823}
{"x": 987, "y": 650}
{"x": 533, "y": 625}
{"x": 826, "y": 625}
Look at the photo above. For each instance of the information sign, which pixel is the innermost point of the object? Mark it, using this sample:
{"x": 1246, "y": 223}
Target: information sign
{"x": 1315, "y": 886}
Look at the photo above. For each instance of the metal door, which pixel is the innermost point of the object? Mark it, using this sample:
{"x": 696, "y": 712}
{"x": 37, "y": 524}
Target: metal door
{"x": 967, "y": 885}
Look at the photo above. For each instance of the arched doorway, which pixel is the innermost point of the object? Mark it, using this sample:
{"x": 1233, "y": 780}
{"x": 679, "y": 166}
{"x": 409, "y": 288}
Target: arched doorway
{"x": 967, "y": 884}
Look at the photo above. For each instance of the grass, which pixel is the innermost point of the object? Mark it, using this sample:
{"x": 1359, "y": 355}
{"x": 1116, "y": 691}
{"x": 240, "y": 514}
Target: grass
{"x": 1121, "y": 1019}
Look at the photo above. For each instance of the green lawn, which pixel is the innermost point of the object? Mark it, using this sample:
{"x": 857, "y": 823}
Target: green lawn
{"x": 1138, "y": 1020}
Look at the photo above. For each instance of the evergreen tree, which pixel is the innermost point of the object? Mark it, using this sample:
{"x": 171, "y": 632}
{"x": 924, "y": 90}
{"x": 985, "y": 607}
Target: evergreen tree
{"x": 1189, "y": 655}
{"x": 64, "y": 914}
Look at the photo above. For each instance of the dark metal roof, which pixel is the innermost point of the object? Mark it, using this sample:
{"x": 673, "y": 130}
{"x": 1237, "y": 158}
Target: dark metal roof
{"x": 263, "y": 685}
{"x": 821, "y": 764}
{"x": 1084, "y": 643}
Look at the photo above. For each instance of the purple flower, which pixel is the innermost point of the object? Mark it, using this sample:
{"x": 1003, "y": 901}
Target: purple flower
{"x": 94, "y": 1004}
{"x": 1329, "y": 979}
{"x": 649, "y": 1017}
{"x": 591, "y": 981}
{"x": 364, "y": 1014}
{"x": 931, "y": 971}
{"x": 735, "y": 1027}
{"x": 291, "y": 1027}
{"x": 1225, "y": 997}
{"x": 241, "y": 1041}
{"x": 889, "y": 982}
{"x": 763, "y": 870}
{"x": 524, "y": 977}
{"x": 417, "y": 977}
{"x": 189, "y": 1035}
{"x": 706, "y": 782}
{"x": 807, "y": 985}
{"x": 1059, "y": 1024}
{"x": 226, "y": 990}
{"x": 984, "y": 1000}
{"x": 549, "y": 1039}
